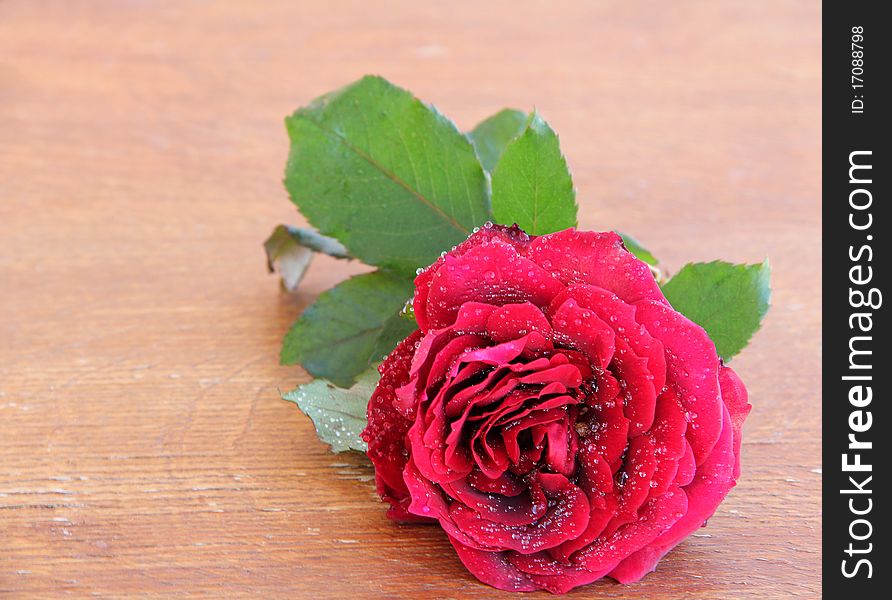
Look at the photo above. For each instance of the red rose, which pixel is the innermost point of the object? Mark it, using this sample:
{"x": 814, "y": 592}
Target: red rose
{"x": 553, "y": 412}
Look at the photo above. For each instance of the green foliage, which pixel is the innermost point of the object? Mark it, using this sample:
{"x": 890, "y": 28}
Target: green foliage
{"x": 642, "y": 253}
{"x": 388, "y": 180}
{"x": 385, "y": 174}
{"x": 338, "y": 414}
{"x": 531, "y": 184}
{"x": 492, "y": 135}
{"x": 349, "y": 327}
{"x": 728, "y": 301}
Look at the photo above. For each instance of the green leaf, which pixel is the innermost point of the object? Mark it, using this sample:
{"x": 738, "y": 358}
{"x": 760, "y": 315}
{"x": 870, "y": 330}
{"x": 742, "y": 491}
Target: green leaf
{"x": 385, "y": 174}
{"x": 642, "y": 253}
{"x": 284, "y": 236}
{"x": 291, "y": 248}
{"x": 346, "y": 328}
{"x": 531, "y": 185}
{"x": 492, "y": 135}
{"x": 339, "y": 414}
{"x": 395, "y": 329}
{"x": 727, "y": 300}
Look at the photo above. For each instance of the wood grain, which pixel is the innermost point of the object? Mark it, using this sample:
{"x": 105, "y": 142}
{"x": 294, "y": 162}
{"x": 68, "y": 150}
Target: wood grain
{"x": 143, "y": 447}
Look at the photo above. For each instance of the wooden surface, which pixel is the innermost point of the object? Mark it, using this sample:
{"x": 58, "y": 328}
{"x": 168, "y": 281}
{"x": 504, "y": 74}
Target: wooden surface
{"x": 143, "y": 445}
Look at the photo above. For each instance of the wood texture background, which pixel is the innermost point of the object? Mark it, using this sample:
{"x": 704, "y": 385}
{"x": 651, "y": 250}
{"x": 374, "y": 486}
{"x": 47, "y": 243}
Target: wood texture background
{"x": 143, "y": 445}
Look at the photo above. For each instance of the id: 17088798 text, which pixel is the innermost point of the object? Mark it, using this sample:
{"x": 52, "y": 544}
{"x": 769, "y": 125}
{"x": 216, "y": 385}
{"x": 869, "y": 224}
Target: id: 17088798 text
{"x": 857, "y": 70}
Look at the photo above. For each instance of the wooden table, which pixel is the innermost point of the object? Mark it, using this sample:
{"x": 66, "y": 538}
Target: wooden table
{"x": 143, "y": 445}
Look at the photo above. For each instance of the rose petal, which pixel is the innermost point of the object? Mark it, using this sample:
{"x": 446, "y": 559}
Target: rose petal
{"x": 638, "y": 361}
{"x": 566, "y": 374}
{"x": 639, "y": 395}
{"x": 596, "y": 480}
{"x": 500, "y": 354}
{"x": 628, "y": 405}
{"x": 669, "y": 441}
{"x": 493, "y": 568}
{"x": 687, "y": 467}
{"x": 428, "y": 501}
{"x": 506, "y": 484}
{"x": 495, "y": 273}
{"x": 495, "y": 378}
{"x": 566, "y": 518}
{"x": 427, "y": 444}
{"x": 472, "y": 317}
{"x": 410, "y": 395}
{"x": 523, "y": 422}
{"x": 608, "y": 426}
{"x": 445, "y": 362}
{"x": 521, "y": 509}
{"x": 620, "y": 315}
{"x": 497, "y": 233}
{"x": 529, "y": 457}
{"x": 595, "y": 475}
{"x": 692, "y": 366}
{"x": 641, "y": 463}
{"x": 560, "y": 455}
{"x": 735, "y": 397}
{"x": 512, "y": 321}
{"x": 712, "y": 483}
{"x": 657, "y": 516}
{"x": 426, "y": 498}
{"x": 489, "y": 454}
{"x": 578, "y": 328}
{"x": 598, "y": 259}
{"x": 634, "y": 489}
{"x": 387, "y": 428}
{"x": 549, "y": 574}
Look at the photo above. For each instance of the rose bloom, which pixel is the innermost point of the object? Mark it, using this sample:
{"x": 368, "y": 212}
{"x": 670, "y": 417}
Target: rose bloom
{"x": 553, "y": 413}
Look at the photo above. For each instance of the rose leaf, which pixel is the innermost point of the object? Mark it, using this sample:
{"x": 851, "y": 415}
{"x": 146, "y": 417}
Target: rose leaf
{"x": 348, "y": 327}
{"x": 396, "y": 328}
{"x": 492, "y": 135}
{"x": 285, "y": 235}
{"x": 338, "y": 414}
{"x": 385, "y": 174}
{"x": 291, "y": 249}
{"x": 640, "y": 252}
{"x": 728, "y": 301}
{"x": 531, "y": 184}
